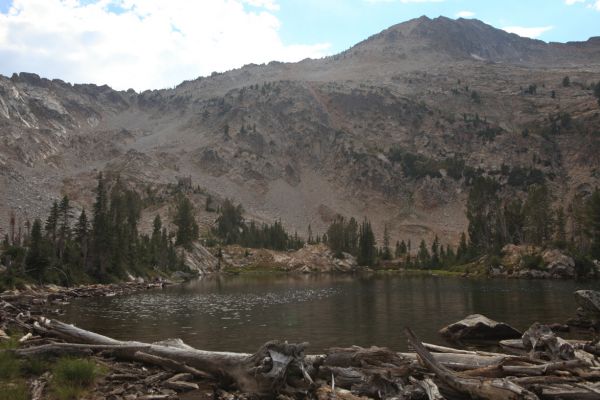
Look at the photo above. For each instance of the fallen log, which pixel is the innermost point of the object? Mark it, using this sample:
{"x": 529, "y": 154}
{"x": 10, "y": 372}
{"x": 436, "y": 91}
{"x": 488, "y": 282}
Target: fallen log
{"x": 486, "y": 388}
{"x": 264, "y": 372}
{"x": 541, "y": 336}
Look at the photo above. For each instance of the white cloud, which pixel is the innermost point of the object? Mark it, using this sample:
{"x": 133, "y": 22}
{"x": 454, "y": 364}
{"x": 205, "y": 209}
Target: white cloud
{"x": 594, "y": 4}
{"x": 465, "y": 14}
{"x": 142, "y": 43}
{"x": 529, "y": 32}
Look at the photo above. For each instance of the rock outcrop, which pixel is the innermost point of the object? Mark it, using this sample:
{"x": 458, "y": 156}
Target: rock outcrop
{"x": 479, "y": 327}
{"x": 199, "y": 259}
{"x": 524, "y": 261}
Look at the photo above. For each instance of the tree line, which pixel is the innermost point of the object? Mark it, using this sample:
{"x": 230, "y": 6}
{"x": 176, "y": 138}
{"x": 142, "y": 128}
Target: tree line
{"x": 493, "y": 223}
{"x": 105, "y": 246}
{"x": 232, "y": 228}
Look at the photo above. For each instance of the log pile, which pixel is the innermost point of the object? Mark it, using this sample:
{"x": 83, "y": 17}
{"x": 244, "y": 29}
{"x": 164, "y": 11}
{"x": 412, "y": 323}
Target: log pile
{"x": 542, "y": 366}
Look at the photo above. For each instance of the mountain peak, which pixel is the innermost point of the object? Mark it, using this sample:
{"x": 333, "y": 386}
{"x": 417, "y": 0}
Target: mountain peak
{"x": 446, "y": 39}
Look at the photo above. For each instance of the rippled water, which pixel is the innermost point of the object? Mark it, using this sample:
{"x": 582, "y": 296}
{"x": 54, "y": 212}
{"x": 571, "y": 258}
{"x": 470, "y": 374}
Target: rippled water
{"x": 239, "y": 313}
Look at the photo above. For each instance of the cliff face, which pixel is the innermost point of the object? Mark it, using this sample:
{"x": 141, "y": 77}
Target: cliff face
{"x": 391, "y": 129}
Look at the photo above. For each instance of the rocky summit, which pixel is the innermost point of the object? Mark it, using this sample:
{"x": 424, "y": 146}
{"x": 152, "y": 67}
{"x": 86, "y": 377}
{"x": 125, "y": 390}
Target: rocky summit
{"x": 392, "y": 129}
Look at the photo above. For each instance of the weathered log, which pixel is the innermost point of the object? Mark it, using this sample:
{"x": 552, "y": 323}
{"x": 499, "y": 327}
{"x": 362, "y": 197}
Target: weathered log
{"x": 429, "y": 387}
{"x": 541, "y": 336}
{"x": 492, "y": 389}
{"x": 170, "y": 364}
{"x": 542, "y": 369}
{"x": 264, "y": 372}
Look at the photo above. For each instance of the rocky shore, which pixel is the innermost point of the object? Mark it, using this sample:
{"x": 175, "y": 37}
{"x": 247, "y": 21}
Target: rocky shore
{"x": 535, "y": 364}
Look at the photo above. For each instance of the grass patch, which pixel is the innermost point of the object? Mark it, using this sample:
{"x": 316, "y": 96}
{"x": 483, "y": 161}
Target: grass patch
{"x": 71, "y": 378}
{"x": 14, "y": 391}
{"x": 10, "y": 366}
{"x": 254, "y": 269}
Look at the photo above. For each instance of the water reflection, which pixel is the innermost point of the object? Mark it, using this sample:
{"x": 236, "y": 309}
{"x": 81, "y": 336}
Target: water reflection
{"x": 239, "y": 313}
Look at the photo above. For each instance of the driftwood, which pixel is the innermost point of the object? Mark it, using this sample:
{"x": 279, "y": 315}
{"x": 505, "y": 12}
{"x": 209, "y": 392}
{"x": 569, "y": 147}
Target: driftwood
{"x": 277, "y": 368}
{"x": 541, "y": 336}
{"x": 493, "y": 389}
{"x": 264, "y": 372}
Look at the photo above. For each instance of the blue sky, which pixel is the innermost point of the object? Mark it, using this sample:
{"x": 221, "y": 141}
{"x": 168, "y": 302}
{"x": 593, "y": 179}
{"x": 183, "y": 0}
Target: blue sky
{"x": 345, "y": 22}
{"x": 147, "y": 44}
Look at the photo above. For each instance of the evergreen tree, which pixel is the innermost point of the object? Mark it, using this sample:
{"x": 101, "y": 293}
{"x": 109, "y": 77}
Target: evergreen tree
{"x": 386, "y": 253}
{"x": 597, "y": 92}
{"x": 435, "y": 252}
{"x": 538, "y": 215}
{"x": 101, "y": 232}
{"x": 336, "y": 236}
{"x": 462, "y": 253}
{"x": 64, "y": 226}
{"x": 187, "y": 228}
{"x": 593, "y": 223}
{"x": 230, "y": 222}
{"x": 560, "y": 228}
{"x": 483, "y": 213}
{"x": 351, "y": 236}
{"x": 37, "y": 259}
{"x": 514, "y": 221}
{"x": 51, "y": 226}
{"x": 423, "y": 256}
{"x": 82, "y": 235}
{"x": 366, "y": 244}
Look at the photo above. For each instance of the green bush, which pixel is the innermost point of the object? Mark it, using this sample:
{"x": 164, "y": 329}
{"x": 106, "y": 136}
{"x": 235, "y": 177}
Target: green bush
{"x": 530, "y": 261}
{"x": 583, "y": 266}
{"x": 71, "y": 378}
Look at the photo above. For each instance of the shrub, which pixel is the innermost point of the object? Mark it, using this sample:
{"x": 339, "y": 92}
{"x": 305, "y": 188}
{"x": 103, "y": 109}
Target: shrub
{"x": 72, "y": 377}
{"x": 530, "y": 261}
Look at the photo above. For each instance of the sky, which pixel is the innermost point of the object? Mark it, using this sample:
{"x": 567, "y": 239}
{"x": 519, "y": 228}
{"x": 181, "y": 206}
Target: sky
{"x": 153, "y": 44}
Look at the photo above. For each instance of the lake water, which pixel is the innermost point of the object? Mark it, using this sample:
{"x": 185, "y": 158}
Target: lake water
{"x": 239, "y": 313}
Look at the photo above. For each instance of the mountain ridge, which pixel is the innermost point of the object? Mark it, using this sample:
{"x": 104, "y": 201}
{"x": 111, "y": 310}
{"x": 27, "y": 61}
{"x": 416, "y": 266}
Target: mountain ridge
{"x": 367, "y": 132}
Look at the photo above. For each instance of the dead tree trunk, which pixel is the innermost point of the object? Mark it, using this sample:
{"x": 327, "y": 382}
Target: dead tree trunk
{"x": 493, "y": 389}
{"x": 265, "y": 372}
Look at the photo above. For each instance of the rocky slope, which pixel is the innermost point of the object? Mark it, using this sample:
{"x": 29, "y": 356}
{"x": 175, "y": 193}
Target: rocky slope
{"x": 391, "y": 129}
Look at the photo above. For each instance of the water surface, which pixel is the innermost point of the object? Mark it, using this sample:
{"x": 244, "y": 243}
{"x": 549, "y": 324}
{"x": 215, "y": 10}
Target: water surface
{"x": 239, "y": 313}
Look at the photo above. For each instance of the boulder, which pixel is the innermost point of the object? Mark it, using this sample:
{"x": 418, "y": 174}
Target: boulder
{"x": 589, "y": 300}
{"x": 558, "y": 264}
{"x": 479, "y": 327}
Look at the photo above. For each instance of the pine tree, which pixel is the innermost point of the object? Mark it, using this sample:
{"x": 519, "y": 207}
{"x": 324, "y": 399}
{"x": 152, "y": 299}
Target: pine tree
{"x": 51, "y": 226}
{"x": 366, "y": 244}
{"x": 386, "y": 253}
{"x": 435, "y": 252}
{"x": 538, "y": 215}
{"x": 592, "y": 229}
{"x": 597, "y": 92}
{"x": 37, "y": 260}
{"x": 462, "y": 253}
{"x": 230, "y": 222}
{"x": 64, "y": 226}
{"x": 423, "y": 255}
{"x": 101, "y": 232}
{"x": 82, "y": 235}
{"x": 187, "y": 228}
{"x": 483, "y": 213}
